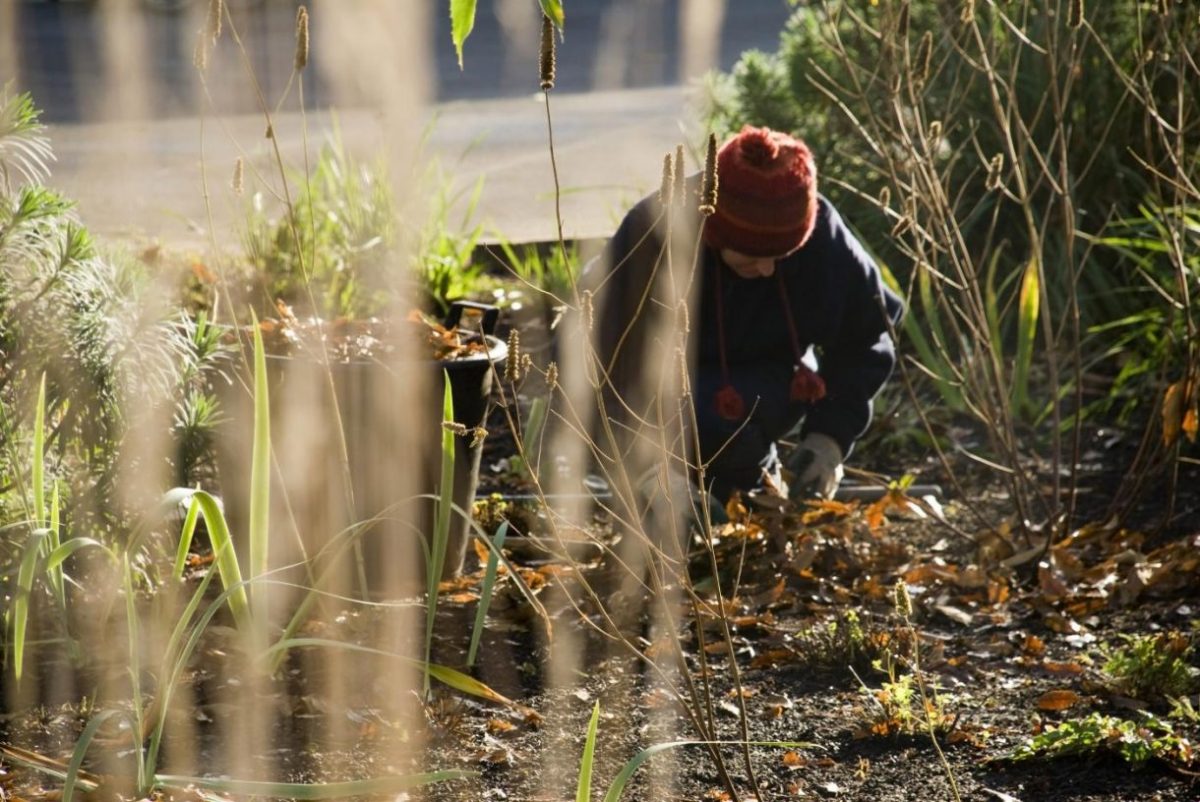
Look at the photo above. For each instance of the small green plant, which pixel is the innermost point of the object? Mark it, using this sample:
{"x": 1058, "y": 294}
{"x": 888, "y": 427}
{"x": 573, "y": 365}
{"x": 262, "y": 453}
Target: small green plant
{"x": 1135, "y": 742}
{"x": 1152, "y": 667}
{"x": 329, "y": 257}
{"x": 839, "y": 642}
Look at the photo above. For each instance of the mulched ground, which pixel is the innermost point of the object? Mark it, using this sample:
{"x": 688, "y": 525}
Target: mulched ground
{"x": 1009, "y": 645}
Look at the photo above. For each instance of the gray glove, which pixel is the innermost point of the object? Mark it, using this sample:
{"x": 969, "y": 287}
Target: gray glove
{"x": 816, "y": 467}
{"x": 657, "y": 485}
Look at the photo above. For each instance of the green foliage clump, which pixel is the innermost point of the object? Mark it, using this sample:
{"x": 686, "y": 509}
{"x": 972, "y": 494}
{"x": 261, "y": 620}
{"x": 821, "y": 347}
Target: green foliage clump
{"x": 329, "y": 255}
{"x": 1135, "y": 742}
{"x": 1152, "y": 667}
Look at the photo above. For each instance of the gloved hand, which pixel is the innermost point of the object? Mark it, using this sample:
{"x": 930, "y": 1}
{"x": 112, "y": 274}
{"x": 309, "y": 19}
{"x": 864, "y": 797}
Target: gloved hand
{"x": 686, "y": 499}
{"x": 816, "y": 467}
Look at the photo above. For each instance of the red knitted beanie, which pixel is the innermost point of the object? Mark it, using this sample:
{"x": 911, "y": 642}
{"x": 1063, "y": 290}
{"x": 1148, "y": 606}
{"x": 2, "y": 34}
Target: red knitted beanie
{"x": 767, "y": 194}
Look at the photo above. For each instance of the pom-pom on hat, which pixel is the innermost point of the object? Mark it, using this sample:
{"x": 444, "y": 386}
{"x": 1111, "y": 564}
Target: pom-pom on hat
{"x": 767, "y": 203}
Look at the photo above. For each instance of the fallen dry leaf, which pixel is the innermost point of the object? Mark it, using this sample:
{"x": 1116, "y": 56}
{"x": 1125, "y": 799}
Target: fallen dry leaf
{"x": 1058, "y": 700}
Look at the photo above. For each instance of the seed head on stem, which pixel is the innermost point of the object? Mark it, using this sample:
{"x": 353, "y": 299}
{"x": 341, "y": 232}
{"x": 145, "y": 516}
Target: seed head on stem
{"x": 239, "y": 172}
{"x": 708, "y": 192}
{"x": 512, "y": 364}
{"x": 301, "y": 38}
{"x": 668, "y": 182}
{"x": 1075, "y": 14}
{"x": 680, "y": 191}
{"x": 216, "y": 10}
{"x": 546, "y": 58}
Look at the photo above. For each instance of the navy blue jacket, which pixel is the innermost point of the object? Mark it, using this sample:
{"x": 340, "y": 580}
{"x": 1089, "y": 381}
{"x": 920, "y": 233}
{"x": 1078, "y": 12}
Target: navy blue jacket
{"x": 840, "y": 308}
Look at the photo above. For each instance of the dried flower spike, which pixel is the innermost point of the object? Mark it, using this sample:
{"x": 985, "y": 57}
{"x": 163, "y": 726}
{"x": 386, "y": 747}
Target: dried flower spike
{"x": 935, "y": 131}
{"x": 478, "y": 434}
{"x": 708, "y": 191}
{"x": 200, "y": 52}
{"x": 680, "y": 176}
{"x": 902, "y": 22}
{"x": 902, "y": 600}
{"x": 552, "y": 376}
{"x": 1075, "y": 14}
{"x": 924, "y": 58}
{"x": 546, "y": 59}
{"x": 968, "y": 12}
{"x": 995, "y": 168}
{"x": 586, "y": 310}
{"x": 455, "y": 427}
{"x": 216, "y": 11}
{"x": 239, "y": 172}
{"x": 885, "y": 197}
{"x": 301, "y": 38}
{"x": 685, "y": 321}
{"x": 270, "y": 132}
{"x": 684, "y": 383}
{"x": 512, "y": 364}
{"x": 668, "y": 181}
{"x": 526, "y": 364}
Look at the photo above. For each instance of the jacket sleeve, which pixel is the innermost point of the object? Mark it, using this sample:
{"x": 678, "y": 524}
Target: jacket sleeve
{"x": 858, "y": 355}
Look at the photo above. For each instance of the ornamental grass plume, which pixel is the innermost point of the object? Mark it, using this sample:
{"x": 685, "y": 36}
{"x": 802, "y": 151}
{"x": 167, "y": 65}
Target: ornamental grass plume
{"x": 216, "y": 10}
{"x": 924, "y": 58}
{"x": 995, "y": 168}
{"x": 301, "y": 38}
{"x": 512, "y": 363}
{"x": 1075, "y": 14}
{"x": 546, "y": 59}
{"x": 708, "y": 191}
{"x": 586, "y": 309}
{"x": 680, "y": 191}
{"x": 902, "y": 600}
{"x": 668, "y": 181}
{"x": 200, "y": 52}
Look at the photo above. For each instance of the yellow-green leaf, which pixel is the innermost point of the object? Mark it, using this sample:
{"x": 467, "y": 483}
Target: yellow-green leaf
{"x": 462, "y": 21}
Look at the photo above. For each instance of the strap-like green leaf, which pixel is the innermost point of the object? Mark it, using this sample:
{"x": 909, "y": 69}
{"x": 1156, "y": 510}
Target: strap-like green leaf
{"x": 462, "y": 20}
{"x": 554, "y": 10}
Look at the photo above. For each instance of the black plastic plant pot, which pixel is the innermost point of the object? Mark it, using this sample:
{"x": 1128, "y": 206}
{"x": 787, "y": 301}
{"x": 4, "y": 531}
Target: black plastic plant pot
{"x": 382, "y": 486}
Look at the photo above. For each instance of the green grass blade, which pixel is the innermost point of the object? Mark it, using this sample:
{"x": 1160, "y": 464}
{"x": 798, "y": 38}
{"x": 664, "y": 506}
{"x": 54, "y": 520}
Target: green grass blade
{"x": 260, "y": 464}
{"x": 20, "y": 607}
{"x": 185, "y": 539}
{"x": 441, "y": 534}
{"x": 583, "y": 791}
{"x": 174, "y": 665}
{"x": 135, "y": 665}
{"x": 376, "y": 786}
{"x": 462, "y": 20}
{"x": 61, "y": 553}
{"x": 444, "y": 674}
{"x": 57, "y": 582}
{"x": 554, "y": 10}
{"x": 224, "y": 554}
{"x": 1027, "y": 318}
{"x": 39, "y": 458}
{"x": 485, "y": 591}
{"x": 81, "y": 749}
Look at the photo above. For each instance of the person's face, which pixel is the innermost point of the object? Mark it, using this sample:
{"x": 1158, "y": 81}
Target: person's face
{"x": 749, "y": 266}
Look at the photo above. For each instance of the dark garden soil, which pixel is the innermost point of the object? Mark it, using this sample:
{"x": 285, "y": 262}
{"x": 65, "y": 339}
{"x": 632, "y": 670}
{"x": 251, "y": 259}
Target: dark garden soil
{"x": 1010, "y": 644}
